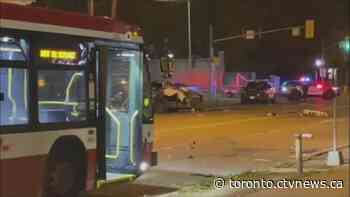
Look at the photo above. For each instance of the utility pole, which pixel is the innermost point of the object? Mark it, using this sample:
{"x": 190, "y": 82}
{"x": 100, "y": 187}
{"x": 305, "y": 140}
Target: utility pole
{"x": 188, "y": 27}
{"x": 335, "y": 113}
{"x": 91, "y": 7}
{"x": 211, "y": 41}
{"x": 114, "y": 9}
{"x": 212, "y": 70}
{"x": 334, "y": 156}
{"x": 189, "y": 33}
{"x": 322, "y": 57}
{"x": 322, "y": 49}
{"x": 211, "y": 62}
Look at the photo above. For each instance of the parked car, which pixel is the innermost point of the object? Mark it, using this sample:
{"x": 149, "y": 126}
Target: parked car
{"x": 258, "y": 91}
{"x": 294, "y": 90}
{"x": 323, "y": 88}
{"x": 288, "y": 86}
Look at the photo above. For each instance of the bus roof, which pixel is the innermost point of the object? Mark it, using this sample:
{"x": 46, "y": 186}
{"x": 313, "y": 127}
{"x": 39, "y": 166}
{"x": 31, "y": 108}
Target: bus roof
{"x": 56, "y": 21}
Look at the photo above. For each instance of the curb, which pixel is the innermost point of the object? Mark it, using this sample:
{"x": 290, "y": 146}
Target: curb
{"x": 324, "y": 151}
{"x": 171, "y": 194}
{"x": 217, "y": 108}
{"x": 293, "y": 170}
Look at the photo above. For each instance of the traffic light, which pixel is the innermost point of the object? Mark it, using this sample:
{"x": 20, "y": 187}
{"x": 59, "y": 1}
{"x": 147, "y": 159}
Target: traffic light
{"x": 345, "y": 45}
{"x": 250, "y": 34}
{"x": 310, "y": 29}
{"x": 296, "y": 31}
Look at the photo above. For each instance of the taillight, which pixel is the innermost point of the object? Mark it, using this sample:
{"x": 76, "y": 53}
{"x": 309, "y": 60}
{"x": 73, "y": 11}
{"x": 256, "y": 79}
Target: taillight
{"x": 319, "y": 86}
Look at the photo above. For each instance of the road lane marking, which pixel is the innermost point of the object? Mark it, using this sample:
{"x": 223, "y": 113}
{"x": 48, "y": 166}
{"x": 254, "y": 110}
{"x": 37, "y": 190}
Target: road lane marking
{"x": 263, "y": 160}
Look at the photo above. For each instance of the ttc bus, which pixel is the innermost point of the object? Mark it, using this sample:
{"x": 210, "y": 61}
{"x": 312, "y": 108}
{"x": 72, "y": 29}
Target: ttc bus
{"x": 74, "y": 102}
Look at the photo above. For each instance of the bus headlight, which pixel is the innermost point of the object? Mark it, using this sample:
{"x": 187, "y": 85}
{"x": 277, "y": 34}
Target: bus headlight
{"x": 144, "y": 166}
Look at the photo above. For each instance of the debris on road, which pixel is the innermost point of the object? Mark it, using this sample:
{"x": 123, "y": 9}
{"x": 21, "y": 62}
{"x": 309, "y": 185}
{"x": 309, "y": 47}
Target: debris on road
{"x": 307, "y": 135}
{"x": 314, "y": 113}
{"x": 271, "y": 114}
{"x": 192, "y": 147}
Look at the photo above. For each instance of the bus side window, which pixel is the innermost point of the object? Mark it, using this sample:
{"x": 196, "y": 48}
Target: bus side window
{"x": 14, "y": 101}
{"x": 13, "y": 82}
{"x": 62, "y": 96}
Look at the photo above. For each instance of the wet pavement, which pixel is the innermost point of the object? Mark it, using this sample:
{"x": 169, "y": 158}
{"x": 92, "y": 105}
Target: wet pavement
{"x": 239, "y": 138}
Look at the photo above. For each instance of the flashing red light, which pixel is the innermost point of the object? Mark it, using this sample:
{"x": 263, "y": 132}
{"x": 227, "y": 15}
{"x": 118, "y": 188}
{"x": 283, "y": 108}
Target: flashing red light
{"x": 319, "y": 86}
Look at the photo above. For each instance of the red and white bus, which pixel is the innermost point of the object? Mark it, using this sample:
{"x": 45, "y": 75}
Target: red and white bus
{"x": 73, "y": 110}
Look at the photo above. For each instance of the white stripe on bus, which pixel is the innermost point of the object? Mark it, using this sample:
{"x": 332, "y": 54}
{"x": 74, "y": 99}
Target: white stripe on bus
{"x": 39, "y": 143}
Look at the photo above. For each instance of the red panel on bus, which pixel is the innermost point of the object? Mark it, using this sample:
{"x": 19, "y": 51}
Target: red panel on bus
{"x": 22, "y": 176}
{"x": 91, "y": 170}
{"x": 61, "y": 18}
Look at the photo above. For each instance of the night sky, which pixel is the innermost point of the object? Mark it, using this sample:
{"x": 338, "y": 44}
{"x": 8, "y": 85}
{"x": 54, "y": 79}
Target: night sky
{"x": 278, "y": 53}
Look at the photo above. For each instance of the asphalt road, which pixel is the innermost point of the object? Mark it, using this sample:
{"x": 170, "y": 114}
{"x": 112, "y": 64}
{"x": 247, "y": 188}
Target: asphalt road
{"x": 241, "y": 138}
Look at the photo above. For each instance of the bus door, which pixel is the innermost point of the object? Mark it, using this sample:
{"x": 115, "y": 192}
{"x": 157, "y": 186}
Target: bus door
{"x": 121, "y": 72}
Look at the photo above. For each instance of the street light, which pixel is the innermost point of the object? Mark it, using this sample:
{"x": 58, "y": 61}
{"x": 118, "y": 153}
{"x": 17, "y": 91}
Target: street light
{"x": 171, "y": 55}
{"x": 188, "y": 23}
{"x": 319, "y": 62}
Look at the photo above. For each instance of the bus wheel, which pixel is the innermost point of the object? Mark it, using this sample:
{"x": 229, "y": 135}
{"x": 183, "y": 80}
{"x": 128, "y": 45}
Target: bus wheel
{"x": 65, "y": 174}
{"x": 62, "y": 178}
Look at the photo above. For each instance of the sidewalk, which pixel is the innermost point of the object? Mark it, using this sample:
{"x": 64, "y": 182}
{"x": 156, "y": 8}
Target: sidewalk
{"x": 180, "y": 176}
{"x": 341, "y": 173}
{"x": 314, "y": 171}
{"x": 161, "y": 183}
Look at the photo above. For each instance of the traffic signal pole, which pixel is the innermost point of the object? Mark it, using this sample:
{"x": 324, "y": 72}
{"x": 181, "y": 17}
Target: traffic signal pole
{"x": 260, "y": 33}
{"x": 334, "y": 157}
{"x": 212, "y": 41}
{"x": 212, "y": 69}
{"x": 212, "y": 66}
